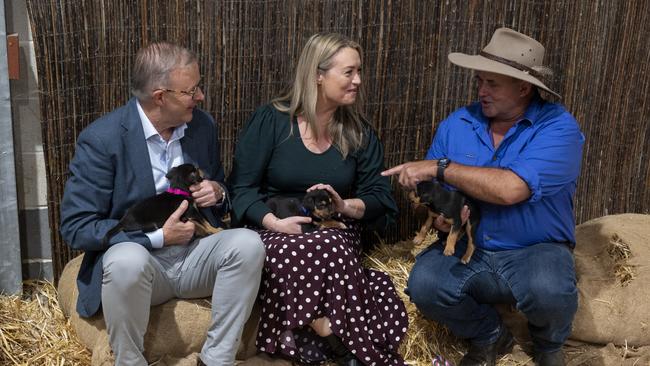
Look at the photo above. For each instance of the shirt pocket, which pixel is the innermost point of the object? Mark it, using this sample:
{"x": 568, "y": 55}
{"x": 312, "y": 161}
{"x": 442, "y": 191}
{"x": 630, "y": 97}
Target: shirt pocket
{"x": 466, "y": 155}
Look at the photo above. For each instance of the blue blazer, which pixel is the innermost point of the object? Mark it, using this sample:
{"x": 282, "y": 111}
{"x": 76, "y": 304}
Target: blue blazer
{"x": 110, "y": 172}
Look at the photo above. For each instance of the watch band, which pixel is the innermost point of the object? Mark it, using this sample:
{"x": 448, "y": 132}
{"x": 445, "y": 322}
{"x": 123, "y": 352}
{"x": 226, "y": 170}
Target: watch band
{"x": 440, "y": 172}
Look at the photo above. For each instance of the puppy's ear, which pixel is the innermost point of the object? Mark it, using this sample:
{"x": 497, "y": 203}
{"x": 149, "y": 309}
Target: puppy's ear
{"x": 171, "y": 173}
{"x": 325, "y": 194}
{"x": 309, "y": 202}
{"x": 201, "y": 174}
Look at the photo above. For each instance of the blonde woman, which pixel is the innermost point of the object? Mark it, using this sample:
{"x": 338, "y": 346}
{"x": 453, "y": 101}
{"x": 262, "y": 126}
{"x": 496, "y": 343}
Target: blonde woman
{"x": 318, "y": 302}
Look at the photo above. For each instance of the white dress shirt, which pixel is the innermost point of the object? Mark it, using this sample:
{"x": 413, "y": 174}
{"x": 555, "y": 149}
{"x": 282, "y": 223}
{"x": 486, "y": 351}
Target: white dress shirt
{"x": 163, "y": 155}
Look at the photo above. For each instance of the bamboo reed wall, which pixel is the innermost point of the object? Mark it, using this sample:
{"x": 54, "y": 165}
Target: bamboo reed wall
{"x": 247, "y": 51}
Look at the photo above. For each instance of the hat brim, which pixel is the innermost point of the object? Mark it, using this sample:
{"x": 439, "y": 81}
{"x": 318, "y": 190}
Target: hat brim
{"x": 477, "y": 62}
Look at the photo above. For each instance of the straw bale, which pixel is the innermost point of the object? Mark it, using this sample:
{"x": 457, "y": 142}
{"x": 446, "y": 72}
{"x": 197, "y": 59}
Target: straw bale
{"x": 612, "y": 255}
{"x": 176, "y": 329}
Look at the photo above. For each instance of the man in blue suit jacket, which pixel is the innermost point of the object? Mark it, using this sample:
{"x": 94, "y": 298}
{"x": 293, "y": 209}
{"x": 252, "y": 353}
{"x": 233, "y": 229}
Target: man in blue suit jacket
{"x": 121, "y": 159}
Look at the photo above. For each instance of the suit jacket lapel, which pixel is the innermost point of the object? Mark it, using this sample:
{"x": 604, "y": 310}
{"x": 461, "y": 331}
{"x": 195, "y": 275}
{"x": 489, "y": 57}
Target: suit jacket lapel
{"x": 190, "y": 150}
{"x": 137, "y": 152}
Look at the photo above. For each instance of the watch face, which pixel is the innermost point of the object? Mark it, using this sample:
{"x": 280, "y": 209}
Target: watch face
{"x": 443, "y": 162}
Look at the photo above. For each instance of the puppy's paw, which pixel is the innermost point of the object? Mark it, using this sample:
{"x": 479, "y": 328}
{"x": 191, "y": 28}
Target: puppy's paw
{"x": 342, "y": 226}
{"x": 448, "y": 251}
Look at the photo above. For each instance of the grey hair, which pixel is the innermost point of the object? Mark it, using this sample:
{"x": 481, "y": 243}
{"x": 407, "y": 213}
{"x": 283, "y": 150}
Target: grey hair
{"x": 346, "y": 130}
{"x": 153, "y": 65}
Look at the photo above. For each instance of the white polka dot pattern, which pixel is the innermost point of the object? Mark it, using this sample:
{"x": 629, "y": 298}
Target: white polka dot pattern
{"x": 318, "y": 274}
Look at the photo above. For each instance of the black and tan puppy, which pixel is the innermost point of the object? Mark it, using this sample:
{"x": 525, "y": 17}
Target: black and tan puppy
{"x": 449, "y": 204}
{"x": 316, "y": 204}
{"x": 151, "y": 214}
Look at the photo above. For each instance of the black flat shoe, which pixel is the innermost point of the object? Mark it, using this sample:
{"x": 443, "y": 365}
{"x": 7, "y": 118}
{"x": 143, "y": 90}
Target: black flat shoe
{"x": 342, "y": 354}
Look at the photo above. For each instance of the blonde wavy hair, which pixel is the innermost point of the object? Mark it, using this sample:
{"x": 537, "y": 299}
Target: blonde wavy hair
{"x": 347, "y": 126}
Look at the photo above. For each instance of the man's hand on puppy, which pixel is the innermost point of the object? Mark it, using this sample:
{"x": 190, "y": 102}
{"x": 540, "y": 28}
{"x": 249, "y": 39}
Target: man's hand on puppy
{"x": 175, "y": 231}
{"x": 414, "y": 172}
{"x": 207, "y": 193}
{"x": 441, "y": 225}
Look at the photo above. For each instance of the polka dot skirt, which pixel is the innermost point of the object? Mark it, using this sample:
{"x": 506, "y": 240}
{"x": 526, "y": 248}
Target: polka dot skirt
{"x": 308, "y": 276}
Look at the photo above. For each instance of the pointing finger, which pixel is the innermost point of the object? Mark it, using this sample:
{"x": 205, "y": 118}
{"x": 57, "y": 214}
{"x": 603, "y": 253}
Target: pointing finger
{"x": 392, "y": 171}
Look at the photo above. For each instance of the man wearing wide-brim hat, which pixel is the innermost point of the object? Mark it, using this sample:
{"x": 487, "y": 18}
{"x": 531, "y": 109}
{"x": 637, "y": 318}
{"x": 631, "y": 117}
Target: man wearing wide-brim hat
{"x": 518, "y": 156}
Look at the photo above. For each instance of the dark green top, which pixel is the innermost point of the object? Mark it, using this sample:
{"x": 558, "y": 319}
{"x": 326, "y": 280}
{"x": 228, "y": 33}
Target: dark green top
{"x": 270, "y": 161}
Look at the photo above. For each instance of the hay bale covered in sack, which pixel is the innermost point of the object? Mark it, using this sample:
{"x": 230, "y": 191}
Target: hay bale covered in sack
{"x": 613, "y": 267}
{"x": 176, "y": 328}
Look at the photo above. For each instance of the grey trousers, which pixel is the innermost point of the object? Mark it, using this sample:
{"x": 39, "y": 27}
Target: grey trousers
{"x": 226, "y": 266}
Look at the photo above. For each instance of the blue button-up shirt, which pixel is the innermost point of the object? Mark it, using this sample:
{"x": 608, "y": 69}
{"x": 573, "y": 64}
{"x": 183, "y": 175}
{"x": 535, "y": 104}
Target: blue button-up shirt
{"x": 544, "y": 149}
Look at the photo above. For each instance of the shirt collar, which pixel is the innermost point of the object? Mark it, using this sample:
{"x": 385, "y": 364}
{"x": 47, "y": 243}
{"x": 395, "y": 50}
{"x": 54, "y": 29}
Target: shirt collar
{"x": 150, "y": 130}
{"x": 533, "y": 111}
{"x": 530, "y": 116}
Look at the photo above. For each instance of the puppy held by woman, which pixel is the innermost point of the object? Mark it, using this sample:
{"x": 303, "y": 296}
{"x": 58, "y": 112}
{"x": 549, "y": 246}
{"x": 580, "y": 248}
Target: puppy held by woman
{"x": 317, "y": 300}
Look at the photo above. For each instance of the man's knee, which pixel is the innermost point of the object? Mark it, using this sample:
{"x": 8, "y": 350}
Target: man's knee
{"x": 127, "y": 263}
{"x": 247, "y": 246}
{"x": 552, "y": 297}
{"x": 422, "y": 287}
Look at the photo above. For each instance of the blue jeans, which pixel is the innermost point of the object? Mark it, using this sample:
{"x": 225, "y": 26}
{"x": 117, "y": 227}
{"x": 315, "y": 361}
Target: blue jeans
{"x": 539, "y": 279}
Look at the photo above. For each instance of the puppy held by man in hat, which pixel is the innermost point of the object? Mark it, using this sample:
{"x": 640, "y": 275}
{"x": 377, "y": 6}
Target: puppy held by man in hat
{"x": 518, "y": 155}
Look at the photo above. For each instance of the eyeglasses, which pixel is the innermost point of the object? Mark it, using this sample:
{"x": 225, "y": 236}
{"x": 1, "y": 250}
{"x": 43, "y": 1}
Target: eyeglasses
{"x": 189, "y": 93}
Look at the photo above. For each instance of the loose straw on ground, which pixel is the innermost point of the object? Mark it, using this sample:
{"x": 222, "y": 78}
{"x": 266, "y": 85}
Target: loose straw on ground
{"x": 34, "y": 331}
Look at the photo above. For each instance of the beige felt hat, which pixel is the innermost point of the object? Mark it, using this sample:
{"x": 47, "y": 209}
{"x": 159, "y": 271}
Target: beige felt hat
{"x": 509, "y": 53}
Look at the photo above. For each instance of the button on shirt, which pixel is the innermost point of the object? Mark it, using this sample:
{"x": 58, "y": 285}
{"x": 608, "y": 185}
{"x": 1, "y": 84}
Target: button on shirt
{"x": 544, "y": 149}
{"x": 163, "y": 155}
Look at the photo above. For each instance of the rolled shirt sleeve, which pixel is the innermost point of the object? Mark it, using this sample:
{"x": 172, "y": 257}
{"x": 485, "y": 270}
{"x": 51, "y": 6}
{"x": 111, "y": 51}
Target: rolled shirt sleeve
{"x": 548, "y": 162}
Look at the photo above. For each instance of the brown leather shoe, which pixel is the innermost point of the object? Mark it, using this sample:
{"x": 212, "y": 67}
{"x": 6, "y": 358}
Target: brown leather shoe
{"x": 487, "y": 355}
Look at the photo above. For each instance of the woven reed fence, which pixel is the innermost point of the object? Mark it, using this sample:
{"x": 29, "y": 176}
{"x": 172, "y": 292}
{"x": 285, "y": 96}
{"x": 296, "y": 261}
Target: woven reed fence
{"x": 247, "y": 51}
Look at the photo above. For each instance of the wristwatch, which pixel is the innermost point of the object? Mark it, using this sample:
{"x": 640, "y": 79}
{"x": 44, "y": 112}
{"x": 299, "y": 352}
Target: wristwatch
{"x": 442, "y": 165}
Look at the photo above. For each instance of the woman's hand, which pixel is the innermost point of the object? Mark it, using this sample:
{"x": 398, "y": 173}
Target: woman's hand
{"x": 352, "y": 207}
{"x": 290, "y": 225}
{"x": 441, "y": 225}
{"x": 338, "y": 202}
